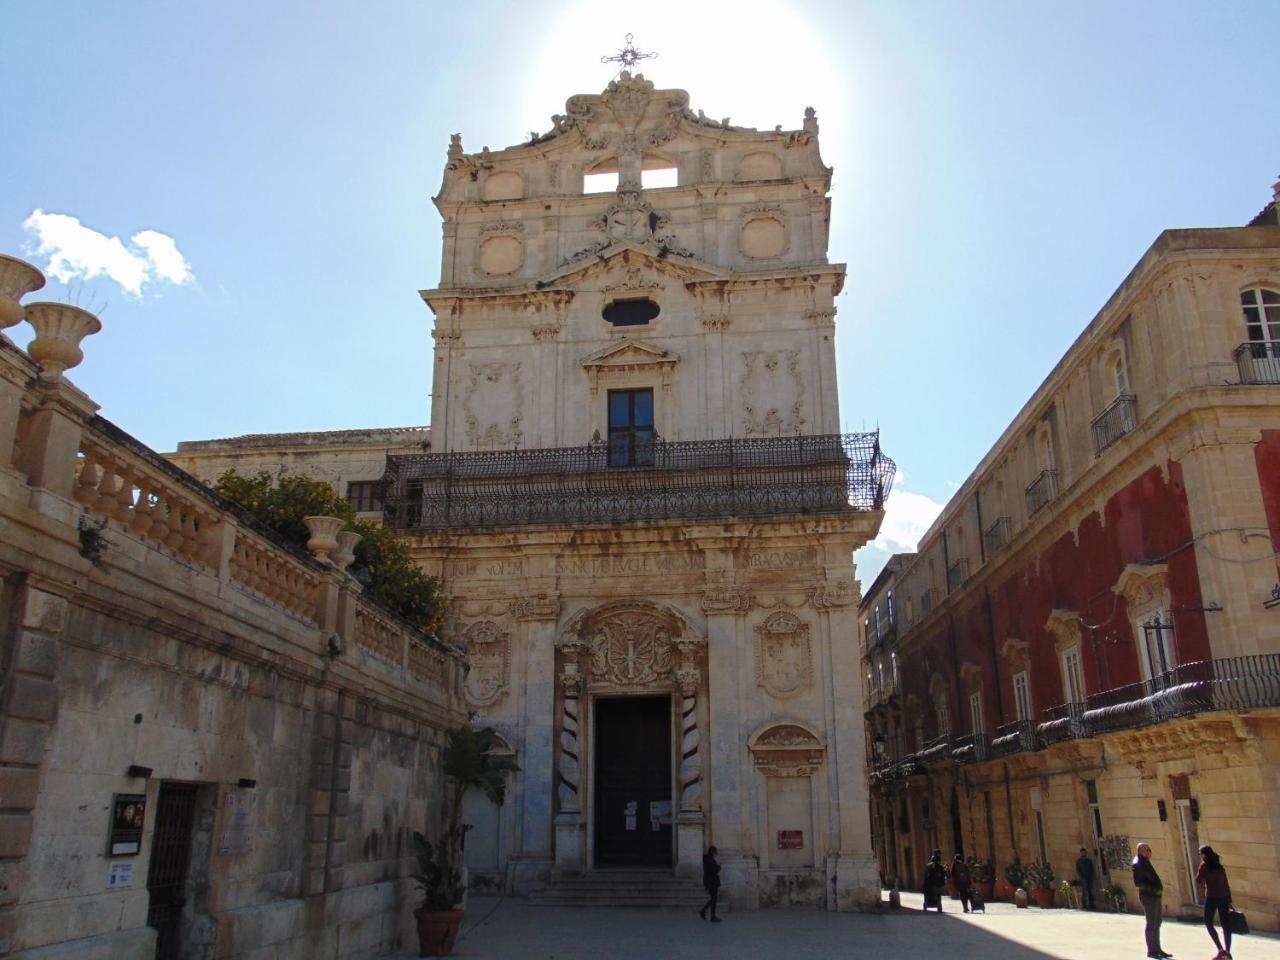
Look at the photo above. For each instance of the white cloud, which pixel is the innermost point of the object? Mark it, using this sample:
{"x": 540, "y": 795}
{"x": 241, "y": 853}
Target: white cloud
{"x": 77, "y": 252}
{"x": 907, "y": 516}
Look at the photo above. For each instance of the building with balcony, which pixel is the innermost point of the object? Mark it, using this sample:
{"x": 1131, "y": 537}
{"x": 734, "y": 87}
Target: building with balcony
{"x": 1087, "y": 640}
{"x": 637, "y": 497}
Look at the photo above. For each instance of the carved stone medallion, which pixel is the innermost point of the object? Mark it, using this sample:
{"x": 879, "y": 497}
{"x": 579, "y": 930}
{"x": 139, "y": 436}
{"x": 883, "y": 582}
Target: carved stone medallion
{"x": 784, "y": 656}
{"x": 489, "y": 653}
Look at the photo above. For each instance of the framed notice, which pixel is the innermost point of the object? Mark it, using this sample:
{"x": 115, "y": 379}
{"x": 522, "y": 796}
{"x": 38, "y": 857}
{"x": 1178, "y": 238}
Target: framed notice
{"x": 790, "y": 839}
{"x": 128, "y": 812}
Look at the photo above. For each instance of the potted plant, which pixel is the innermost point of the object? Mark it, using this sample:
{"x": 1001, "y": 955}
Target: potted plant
{"x": 980, "y": 873}
{"x": 1115, "y": 897}
{"x": 1011, "y": 880}
{"x": 468, "y": 763}
{"x": 1070, "y": 892}
{"x": 1039, "y": 879}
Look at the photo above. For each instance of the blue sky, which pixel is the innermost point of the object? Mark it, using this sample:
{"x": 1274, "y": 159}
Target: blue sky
{"x": 999, "y": 167}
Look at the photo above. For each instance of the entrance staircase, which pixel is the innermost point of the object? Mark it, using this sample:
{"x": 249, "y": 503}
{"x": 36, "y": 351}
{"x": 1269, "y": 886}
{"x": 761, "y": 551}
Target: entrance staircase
{"x": 626, "y": 887}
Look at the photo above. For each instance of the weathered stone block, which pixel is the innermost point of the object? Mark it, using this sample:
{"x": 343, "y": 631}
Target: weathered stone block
{"x": 15, "y": 834}
{"x": 42, "y": 611}
{"x": 32, "y": 698}
{"x": 23, "y": 741}
{"x": 36, "y": 654}
{"x": 18, "y": 788}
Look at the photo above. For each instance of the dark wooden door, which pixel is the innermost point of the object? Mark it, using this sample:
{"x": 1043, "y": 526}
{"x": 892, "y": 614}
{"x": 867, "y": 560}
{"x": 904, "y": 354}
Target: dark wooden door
{"x": 170, "y": 862}
{"x": 633, "y": 773}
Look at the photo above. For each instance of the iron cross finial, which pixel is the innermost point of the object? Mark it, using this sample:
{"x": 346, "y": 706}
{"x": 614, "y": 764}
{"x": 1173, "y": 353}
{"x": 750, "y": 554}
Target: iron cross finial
{"x": 628, "y": 56}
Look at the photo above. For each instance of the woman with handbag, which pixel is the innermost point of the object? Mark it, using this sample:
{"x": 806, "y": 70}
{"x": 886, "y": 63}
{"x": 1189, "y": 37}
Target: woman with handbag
{"x": 1212, "y": 876}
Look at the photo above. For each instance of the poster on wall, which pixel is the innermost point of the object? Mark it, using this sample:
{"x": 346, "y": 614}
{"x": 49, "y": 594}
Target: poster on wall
{"x": 128, "y": 811}
{"x": 790, "y": 839}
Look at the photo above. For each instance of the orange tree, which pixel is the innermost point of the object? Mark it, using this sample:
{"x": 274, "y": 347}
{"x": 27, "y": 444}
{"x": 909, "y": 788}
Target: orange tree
{"x": 382, "y": 562}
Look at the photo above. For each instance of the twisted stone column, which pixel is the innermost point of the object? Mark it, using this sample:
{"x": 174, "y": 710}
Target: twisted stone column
{"x": 688, "y": 679}
{"x": 570, "y": 762}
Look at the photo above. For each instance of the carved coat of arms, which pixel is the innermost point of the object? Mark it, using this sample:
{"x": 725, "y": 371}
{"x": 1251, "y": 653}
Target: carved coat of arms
{"x": 489, "y": 653}
{"x": 784, "y": 656}
{"x": 631, "y": 649}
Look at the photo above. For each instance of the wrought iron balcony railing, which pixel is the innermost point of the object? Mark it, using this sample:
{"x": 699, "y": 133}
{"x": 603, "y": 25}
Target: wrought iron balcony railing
{"x": 1229, "y": 683}
{"x": 973, "y": 748}
{"x": 1119, "y": 417}
{"x": 1016, "y": 737}
{"x": 766, "y": 476}
{"x": 1258, "y": 361}
{"x": 1041, "y": 490}
{"x": 957, "y": 574}
{"x": 998, "y": 534}
{"x": 935, "y": 750}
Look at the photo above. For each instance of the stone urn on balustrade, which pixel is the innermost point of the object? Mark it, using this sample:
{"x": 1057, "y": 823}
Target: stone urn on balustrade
{"x": 324, "y": 535}
{"x": 17, "y": 279}
{"x": 59, "y": 329}
{"x": 345, "y": 553}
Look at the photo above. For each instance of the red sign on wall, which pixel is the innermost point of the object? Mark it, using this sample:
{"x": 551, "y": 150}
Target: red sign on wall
{"x": 790, "y": 839}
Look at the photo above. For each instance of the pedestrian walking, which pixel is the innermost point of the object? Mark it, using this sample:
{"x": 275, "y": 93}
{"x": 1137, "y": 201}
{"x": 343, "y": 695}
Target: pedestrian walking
{"x": 935, "y": 881}
{"x": 1212, "y": 875}
{"x": 963, "y": 880}
{"x": 1150, "y": 892}
{"x": 711, "y": 883}
{"x": 1084, "y": 874}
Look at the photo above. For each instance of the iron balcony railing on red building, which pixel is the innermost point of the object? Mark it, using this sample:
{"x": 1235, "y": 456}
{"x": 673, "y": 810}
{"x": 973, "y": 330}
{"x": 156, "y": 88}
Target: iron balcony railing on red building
{"x": 1119, "y": 417}
{"x": 1228, "y": 683}
{"x": 1041, "y": 490}
{"x": 1258, "y": 361}
{"x": 1016, "y": 737}
{"x": 973, "y": 748}
{"x": 762, "y": 476}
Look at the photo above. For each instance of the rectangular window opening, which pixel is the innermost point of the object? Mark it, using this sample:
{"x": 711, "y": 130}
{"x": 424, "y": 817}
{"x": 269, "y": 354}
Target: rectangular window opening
{"x": 600, "y": 182}
{"x": 658, "y": 178}
{"x": 631, "y": 433}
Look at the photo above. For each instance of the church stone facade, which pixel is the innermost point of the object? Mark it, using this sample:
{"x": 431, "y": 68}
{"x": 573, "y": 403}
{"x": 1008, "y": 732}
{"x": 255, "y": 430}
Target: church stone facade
{"x": 638, "y": 501}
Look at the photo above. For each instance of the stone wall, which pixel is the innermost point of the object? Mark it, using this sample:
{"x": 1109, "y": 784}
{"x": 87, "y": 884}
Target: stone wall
{"x": 194, "y": 649}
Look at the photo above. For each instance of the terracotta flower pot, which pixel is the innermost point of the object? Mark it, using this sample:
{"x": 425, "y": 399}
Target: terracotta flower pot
{"x": 437, "y": 931}
{"x": 986, "y": 888}
{"x": 1003, "y": 889}
{"x": 1044, "y": 897}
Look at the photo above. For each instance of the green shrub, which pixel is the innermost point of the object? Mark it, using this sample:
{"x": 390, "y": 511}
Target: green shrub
{"x": 382, "y": 562}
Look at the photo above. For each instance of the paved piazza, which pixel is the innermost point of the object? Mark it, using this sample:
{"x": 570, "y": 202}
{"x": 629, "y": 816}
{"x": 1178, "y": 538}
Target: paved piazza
{"x": 513, "y": 927}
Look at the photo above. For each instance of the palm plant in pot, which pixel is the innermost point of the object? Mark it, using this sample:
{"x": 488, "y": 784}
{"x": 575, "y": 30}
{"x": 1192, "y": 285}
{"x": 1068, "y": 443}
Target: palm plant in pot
{"x": 1010, "y": 880}
{"x": 468, "y": 763}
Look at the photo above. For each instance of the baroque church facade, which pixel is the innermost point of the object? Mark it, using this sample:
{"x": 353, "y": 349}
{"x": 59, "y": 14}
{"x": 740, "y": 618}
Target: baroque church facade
{"x": 636, "y": 496}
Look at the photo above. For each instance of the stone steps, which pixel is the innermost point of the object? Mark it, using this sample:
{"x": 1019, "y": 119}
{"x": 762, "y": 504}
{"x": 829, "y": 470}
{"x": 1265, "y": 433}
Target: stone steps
{"x": 625, "y": 888}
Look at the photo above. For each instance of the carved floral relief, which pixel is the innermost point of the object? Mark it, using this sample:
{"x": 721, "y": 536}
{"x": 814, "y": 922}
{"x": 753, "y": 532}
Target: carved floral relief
{"x": 772, "y": 393}
{"x": 491, "y": 405}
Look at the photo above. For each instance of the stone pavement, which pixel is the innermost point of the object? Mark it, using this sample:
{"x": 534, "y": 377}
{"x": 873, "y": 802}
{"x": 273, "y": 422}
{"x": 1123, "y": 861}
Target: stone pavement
{"x": 514, "y": 928}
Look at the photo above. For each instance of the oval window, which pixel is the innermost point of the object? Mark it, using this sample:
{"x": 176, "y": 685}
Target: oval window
{"x": 631, "y": 313}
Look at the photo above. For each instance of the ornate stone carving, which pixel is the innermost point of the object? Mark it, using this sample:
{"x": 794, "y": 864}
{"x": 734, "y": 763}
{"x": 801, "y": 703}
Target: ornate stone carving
{"x": 631, "y": 651}
{"x": 493, "y": 398}
{"x": 726, "y": 600}
{"x": 570, "y": 765}
{"x": 1143, "y": 585}
{"x": 540, "y": 607}
{"x": 546, "y": 332}
{"x": 634, "y": 279}
{"x": 772, "y": 392}
{"x": 835, "y": 593}
{"x": 503, "y": 226}
{"x": 489, "y": 653}
{"x": 783, "y": 655}
{"x": 787, "y": 749}
{"x": 821, "y": 318}
{"x": 713, "y": 319}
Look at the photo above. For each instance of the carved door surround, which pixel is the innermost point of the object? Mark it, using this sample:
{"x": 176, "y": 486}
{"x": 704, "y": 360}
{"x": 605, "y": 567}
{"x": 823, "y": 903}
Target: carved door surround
{"x": 622, "y": 647}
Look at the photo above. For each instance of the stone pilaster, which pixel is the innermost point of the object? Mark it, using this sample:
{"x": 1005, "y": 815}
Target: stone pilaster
{"x": 28, "y": 711}
{"x": 532, "y": 864}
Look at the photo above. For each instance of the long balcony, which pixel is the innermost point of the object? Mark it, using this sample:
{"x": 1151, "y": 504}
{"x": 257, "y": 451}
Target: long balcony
{"x": 1258, "y": 361}
{"x": 1041, "y": 490}
{"x": 700, "y": 479}
{"x": 1016, "y": 737}
{"x": 1119, "y": 417}
{"x": 935, "y": 750}
{"x": 1229, "y": 683}
{"x": 973, "y": 748}
{"x": 998, "y": 534}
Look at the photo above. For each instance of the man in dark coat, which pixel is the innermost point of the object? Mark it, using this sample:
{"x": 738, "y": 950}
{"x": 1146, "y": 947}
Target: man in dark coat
{"x": 711, "y": 882}
{"x": 963, "y": 880}
{"x": 935, "y": 881}
{"x": 1150, "y": 892}
{"x": 1084, "y": 874}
